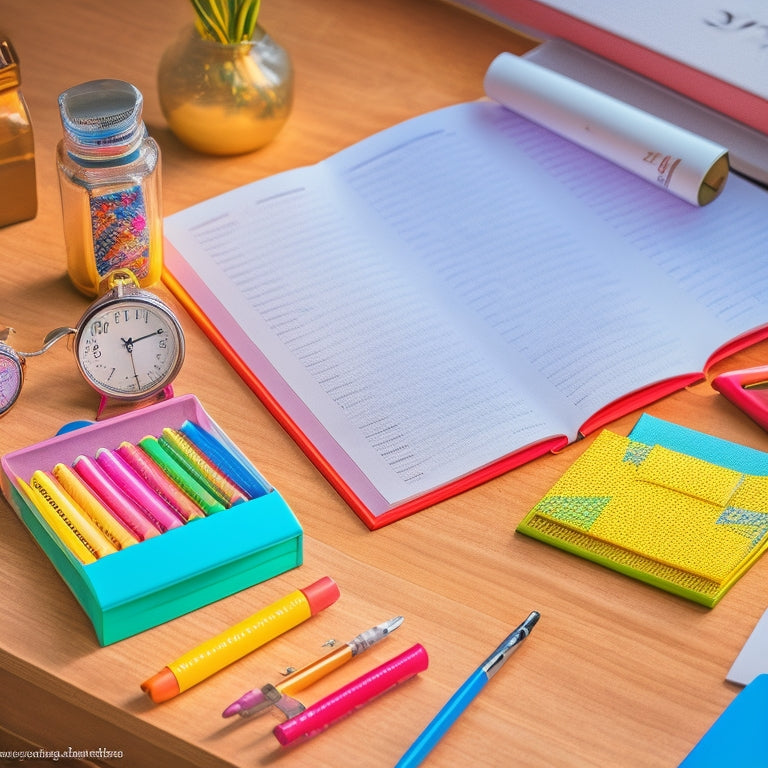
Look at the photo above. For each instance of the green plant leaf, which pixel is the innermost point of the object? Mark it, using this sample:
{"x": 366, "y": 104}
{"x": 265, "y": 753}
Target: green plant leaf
{"x": 227, "y": 21}
{"x": 207, "y": 24}
{"x": 246, "y": 19}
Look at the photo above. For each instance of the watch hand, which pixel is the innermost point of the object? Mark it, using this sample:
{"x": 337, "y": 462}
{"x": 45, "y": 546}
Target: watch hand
{"x": 133, "y": 365}
{"x": 128, "y": 343}
{"x": 158, "y": 332}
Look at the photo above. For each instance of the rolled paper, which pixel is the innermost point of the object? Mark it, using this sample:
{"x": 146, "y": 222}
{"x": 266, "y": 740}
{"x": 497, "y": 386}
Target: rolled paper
{"x": 687, "y": 165}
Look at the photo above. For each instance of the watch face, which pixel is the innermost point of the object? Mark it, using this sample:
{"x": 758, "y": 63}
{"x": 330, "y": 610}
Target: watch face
{"x": 129, "y": 348}
{"x": 11, "y": 378}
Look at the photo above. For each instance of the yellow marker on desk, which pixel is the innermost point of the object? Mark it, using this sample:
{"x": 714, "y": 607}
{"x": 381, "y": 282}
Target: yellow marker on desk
{"x": 107, "y": 523}
{"x": 234, "y": 643}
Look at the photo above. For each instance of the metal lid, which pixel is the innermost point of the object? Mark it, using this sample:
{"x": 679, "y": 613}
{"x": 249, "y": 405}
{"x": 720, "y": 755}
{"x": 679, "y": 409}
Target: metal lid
{"x": 102, "y": 120}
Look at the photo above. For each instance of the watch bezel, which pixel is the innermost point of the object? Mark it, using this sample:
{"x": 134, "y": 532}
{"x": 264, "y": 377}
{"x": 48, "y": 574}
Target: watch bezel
{"x": 130, "y": 295}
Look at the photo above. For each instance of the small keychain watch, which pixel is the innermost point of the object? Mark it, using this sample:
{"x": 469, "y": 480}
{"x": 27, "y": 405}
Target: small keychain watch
{"x": 11, "y": 373}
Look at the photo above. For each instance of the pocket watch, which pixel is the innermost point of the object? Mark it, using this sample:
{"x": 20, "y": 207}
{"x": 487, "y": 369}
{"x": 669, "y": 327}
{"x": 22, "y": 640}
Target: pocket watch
{"x": 129, "y": 345}
{"x": 11, "y": 373}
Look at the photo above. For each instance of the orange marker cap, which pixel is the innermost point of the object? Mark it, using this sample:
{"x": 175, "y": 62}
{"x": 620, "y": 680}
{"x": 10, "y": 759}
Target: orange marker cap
{"x": 162, "y": 686}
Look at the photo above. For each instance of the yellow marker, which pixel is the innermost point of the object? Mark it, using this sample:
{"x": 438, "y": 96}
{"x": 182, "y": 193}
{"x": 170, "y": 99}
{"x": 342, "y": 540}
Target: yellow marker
{"x": 234, "y": 643}
{"x": 58, "y": 500}
{"x": 201, "y": 468}
{"x": 102, "y": 518}
{"x": 72, "y": 540}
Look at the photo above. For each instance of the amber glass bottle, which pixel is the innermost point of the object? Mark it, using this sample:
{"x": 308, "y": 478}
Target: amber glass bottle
{"x": 18, "y": 192}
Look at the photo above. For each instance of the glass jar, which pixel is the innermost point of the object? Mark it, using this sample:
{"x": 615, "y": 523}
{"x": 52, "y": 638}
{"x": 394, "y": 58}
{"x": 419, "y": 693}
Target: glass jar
{"x": 225, "y": 98}
{"x": 109, "y": 178}
{"x": 18, "y": 188}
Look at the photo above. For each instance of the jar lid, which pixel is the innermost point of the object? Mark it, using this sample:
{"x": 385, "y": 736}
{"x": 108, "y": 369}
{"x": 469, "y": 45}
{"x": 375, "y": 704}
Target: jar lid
{"x": 102, "y": 120}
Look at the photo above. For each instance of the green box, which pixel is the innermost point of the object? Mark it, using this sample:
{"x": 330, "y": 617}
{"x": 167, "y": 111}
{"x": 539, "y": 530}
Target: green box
{"x": 161, "y": 578}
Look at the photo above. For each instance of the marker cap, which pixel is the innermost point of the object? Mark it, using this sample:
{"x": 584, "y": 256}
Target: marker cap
{"x": 161, "y": 686}
{"x": 321, "y": 594}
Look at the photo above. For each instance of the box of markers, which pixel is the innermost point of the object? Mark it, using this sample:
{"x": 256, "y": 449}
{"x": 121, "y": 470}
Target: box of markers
{"x": 151, "y": 514}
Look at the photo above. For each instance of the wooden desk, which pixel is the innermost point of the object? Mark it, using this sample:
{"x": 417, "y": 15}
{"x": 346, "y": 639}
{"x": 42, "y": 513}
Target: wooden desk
{"x": 616, "y": 674}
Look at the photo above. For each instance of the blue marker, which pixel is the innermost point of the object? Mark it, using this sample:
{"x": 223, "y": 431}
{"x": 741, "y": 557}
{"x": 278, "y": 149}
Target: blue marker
{"x": 229, "y": 460}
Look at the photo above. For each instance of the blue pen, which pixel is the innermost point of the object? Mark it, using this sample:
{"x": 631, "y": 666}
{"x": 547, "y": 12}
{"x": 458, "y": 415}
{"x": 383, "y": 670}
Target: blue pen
{"x": 460, "y": 700}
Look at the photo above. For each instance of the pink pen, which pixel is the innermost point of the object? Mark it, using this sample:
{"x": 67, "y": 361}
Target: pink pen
{"x": 158, "y": 481}
{"x": 150, "y": 504}
{"x": 319, "y": 716}
{"x": 113, "y": 498}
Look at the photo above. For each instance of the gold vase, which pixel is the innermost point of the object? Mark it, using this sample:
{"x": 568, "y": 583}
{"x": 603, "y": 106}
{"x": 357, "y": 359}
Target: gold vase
{"x": 225, "y": 99}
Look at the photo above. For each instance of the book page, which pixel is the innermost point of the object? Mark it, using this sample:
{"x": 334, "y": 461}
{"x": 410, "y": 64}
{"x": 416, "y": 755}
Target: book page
{"x": 458, "y": 287}
{"x": 572, "y": 271}
{"x": 378, "y": 362}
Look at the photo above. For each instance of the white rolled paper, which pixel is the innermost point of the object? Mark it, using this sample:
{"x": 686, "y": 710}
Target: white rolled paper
{"x": 689, "y": 166}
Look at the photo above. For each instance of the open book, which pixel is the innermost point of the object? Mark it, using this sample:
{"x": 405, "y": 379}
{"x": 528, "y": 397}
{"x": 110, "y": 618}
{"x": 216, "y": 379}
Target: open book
{"x": 461, "y": 293}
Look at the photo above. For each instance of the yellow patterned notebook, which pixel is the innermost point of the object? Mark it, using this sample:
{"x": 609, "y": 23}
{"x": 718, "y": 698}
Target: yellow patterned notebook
{"x": 672, "y": 520}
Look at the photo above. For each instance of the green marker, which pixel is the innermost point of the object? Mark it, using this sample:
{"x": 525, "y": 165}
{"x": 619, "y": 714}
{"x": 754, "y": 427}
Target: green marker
{"x": 152, "y": 447}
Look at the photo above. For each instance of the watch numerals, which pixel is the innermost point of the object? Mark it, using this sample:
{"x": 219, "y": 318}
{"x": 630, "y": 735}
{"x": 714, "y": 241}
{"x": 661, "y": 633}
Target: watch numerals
{"x": 131, "y": 348}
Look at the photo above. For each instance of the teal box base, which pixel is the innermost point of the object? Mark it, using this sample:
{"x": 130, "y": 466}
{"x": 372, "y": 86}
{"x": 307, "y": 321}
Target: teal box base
{"x": 166, "y": 576}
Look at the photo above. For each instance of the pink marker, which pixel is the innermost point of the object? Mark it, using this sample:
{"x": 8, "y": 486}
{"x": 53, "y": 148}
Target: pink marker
{"x": 153, "y": 507}
{"x": 159, "y": 482}
{"x": 352, "y": 696}
{"x": 113, "y": 498}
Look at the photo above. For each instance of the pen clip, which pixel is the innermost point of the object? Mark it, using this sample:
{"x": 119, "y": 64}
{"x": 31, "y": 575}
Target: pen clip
{"x": 273, "y": 698}
{"x": 288, "y": 706}
{"x": 496, "y": 660}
